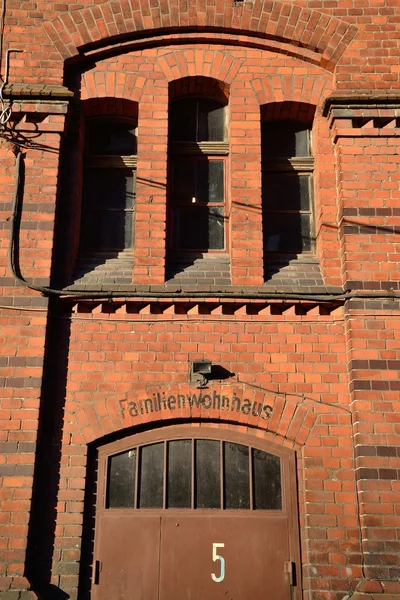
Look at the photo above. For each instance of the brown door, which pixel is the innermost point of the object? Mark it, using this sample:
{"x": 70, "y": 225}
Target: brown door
{"x": 130, "y": 551}
{"x": 189, "y": 517}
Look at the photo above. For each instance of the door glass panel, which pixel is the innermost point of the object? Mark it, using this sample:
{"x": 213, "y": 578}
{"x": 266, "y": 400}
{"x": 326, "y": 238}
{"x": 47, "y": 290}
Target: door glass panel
{"x": 267, "y": 492}
{"x": 179, "y": 486}
{"x": 236, "y": 476}
{"x": 121, "y": 480}
{"x": 208, "y": 474}
{"x": 194, "y": 465}
{"x": 151, "y": 476}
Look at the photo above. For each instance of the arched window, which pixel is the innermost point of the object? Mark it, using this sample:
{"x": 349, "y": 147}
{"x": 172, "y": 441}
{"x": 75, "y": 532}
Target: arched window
{"x": 287, "y": 185}
{"x": 108, "y": 186}
{"x": 194, "y": 474}
{"x": 198, "y": 150}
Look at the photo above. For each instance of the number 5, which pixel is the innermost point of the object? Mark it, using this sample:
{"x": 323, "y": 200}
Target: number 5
{"x": 216, "y": 557}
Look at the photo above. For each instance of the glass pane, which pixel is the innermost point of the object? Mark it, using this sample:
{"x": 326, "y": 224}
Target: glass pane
{"x": 108, "y": 188}
{"x": 211, "y": 121}
{"x": 286, "y": 191}
{"x": 199, "y": 228}
{"x": 216, "y": 228}
{"x": 183, "y": 120}
{"x": 121, "y": 480}
{"x": 179, "y": 485}
{"x": 196, "y": 120}
{"x": 106, "y": 230}
{"x": 287, "y": 233}
{"x": 285, "y": 139}
{"x": 236, "y": 476}
{"x": 210, "y": 181}
{"x": 112, "y": 138}
{"x": 151, "y": 476}
{"x": 267, "y": 492}
{"x": 184, "y": 180}
{"x": 207, "y": 474}
{"x": 198, "y": 179}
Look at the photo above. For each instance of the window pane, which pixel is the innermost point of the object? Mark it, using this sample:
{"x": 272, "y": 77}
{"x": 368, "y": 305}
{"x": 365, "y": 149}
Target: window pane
{"x": 106, "y": 230}
{"x": 200, "y": 179}
{"x": 151, "y": 476}
{"x": 196, "y": 120}
{"x": 199, "y": 228}
{"x": 184, "y": 180}
{"x": 109, "y": 188}
{"x": 179, "y": 474}
{"x": 207, "y": 474}
{"x": 287, "y": 233}
{"x": 236, "y": 476}
{"x": 285, "y": 139}
{"x": 210, "y": 181}
{"x": 266, "y": 481}
{"x": 121, "y": 480}
{"x": 111, "y": 138}
{"x": 211, "y": 121}
{"x": 216, "y": 229}
{"x": 286, "y": 191}
{"x": 183, "y": 120}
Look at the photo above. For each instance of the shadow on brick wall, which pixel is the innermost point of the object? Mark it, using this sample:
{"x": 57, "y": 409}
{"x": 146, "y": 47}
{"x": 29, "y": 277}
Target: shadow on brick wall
{"x": 42, "y": 523}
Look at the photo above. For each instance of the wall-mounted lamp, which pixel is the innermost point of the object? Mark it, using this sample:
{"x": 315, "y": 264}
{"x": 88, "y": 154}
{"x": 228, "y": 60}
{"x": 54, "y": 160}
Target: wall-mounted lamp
{"x": 200, "y": 370}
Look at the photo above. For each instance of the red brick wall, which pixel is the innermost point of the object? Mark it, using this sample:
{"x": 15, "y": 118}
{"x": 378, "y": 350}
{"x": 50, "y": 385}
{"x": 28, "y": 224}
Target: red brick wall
{"x": 67, "y": 384}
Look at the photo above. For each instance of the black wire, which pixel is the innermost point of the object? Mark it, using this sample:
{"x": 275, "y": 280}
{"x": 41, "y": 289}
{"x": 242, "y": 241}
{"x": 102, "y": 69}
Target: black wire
{"x": 129, "y": 293}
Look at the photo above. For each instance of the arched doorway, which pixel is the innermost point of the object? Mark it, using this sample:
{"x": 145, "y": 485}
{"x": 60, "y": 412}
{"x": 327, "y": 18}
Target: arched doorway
{"x": 196, "y": 513}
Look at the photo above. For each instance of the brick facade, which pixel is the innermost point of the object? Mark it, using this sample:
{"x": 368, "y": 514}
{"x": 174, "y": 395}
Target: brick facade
{"x": 95, "y": 351}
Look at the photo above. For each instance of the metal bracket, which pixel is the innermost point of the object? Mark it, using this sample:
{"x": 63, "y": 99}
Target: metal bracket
{"x": 97, "y": 569}
{"x": 290, "y": 571}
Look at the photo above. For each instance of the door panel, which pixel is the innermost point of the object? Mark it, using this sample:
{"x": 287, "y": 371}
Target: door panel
{"x": 218, "y": 521}
{"x": 128, "y": 551}
{"x": 252, "y": 560}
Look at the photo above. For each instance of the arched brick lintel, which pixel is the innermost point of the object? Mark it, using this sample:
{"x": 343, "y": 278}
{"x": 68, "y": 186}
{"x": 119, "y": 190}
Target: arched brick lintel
{"x": 111, "y": 23}
{"x": 290, "y": 418}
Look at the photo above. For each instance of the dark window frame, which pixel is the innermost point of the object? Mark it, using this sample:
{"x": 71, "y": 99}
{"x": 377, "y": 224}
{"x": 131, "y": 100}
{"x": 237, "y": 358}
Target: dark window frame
{"x": 113, "y": 162}
{"x": 290, "y": 166}
{"x": 223, "y": 442}
{"x": 197, "y": 151}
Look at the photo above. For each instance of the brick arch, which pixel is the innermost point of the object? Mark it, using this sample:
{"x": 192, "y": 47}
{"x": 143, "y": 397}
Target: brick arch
{"x": 291, "y": 88}
{"x": 215, "y": 64}
{"x": 110, "y": 106}
{"x": 296, "y": 111}
{"x": 109, "y": 23}
{"x": 288, "y": 418}
{"x": 111, "y": 84}
{"x": 199, "y": 86}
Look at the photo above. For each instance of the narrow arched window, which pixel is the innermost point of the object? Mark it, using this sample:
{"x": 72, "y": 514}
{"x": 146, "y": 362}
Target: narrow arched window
{"x": 108, "y": 186}
{"x": 198, "y": 151}
{"x": 287, "y": 184}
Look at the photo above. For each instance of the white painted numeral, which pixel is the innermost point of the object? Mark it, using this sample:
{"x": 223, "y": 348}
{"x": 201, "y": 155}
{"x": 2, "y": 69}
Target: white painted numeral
{"x": 216, "y": 557}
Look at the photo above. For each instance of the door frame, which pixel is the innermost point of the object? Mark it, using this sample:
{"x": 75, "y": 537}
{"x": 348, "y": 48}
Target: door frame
{"x": 207, "y": 431}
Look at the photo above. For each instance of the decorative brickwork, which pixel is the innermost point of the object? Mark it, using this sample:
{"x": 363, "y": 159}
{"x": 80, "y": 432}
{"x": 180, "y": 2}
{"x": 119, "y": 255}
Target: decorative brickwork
{"x": 305, "y": 349}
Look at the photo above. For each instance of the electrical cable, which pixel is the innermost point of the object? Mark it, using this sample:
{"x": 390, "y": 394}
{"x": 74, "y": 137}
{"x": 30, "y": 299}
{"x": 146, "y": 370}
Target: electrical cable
{"x": 129, "y": 293}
